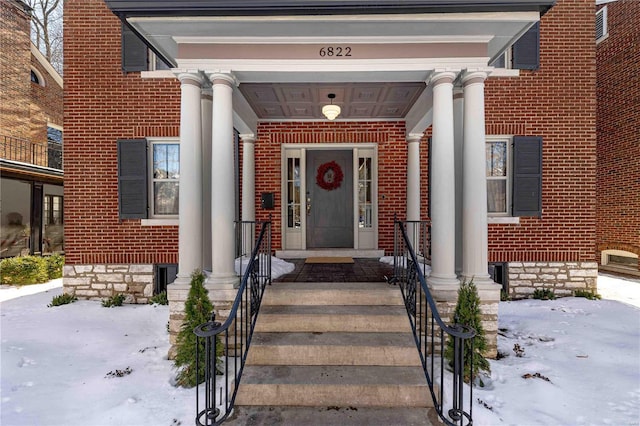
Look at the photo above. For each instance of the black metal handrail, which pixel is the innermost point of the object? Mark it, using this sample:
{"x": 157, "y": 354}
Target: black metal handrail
{"x": 429, "y": 330}
{"x": 26, "y": 151}
{"x": 235, "y": 334}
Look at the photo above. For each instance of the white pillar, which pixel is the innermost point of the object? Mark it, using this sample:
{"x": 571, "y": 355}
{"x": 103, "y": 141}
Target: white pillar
{"x": 206, "y": 104}
{"x": 190, "y": 204}
{"x": 474, "y": 186}
{"x": 248, "y": 187}
{"x": 458, "y": 132}
{"x": 222, "y": 184}
{"x": 443, "y": 184}
{"x": 413, "y": 176}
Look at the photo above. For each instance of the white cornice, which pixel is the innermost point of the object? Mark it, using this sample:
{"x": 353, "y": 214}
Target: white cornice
{"x": 337, "y": 39}
{"x": 46, "y": 65}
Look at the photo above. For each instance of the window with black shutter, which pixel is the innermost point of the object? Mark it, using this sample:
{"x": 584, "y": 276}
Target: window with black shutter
{"x": 134, "y": 51}
{"x": 132, "y": 178}
{"x": 526, "y": 51}
{"x": 527, "y": 176}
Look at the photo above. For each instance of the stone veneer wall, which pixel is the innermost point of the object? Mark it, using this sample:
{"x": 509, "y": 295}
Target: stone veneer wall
{"x": 562, "y": 277}
{"x": 96, "y": 282}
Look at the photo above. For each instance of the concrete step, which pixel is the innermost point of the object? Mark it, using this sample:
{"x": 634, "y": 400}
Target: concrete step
{"x": 340, "y": 386}
{"x": 330, "y": 416}
{"x": 397, "y": 349}
{"x": 367, "y": 294}
{"x": 333, "y": 318}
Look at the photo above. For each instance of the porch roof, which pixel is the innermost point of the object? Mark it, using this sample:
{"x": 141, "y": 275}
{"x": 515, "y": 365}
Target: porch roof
{"x": 127, "y": 8}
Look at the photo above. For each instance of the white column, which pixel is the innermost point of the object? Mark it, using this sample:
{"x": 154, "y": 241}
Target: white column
{"x": 206, "y": 104}
{"x": 413, "y": 176}
{"x": 248, "y": 186}
{"x": 443, "y": 184}
{"x": 474, "y": 186}
{"x": 222, "y": 184}
{"x": 458, "y": 132}
{"x": 190, "y": 204}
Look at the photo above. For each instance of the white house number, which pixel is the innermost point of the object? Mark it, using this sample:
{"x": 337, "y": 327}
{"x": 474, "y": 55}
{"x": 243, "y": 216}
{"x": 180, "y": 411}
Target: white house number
{"x": 334, "y": 51}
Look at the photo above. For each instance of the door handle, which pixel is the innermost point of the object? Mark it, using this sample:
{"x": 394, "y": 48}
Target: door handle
{"x": 308, "y": 206}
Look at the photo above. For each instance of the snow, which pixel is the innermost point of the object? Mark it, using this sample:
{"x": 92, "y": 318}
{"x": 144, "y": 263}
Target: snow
{"x": 55, "y": 363}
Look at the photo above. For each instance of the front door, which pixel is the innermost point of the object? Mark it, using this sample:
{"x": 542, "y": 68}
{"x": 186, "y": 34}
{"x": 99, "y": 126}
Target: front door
{"x": 329, "y": 199}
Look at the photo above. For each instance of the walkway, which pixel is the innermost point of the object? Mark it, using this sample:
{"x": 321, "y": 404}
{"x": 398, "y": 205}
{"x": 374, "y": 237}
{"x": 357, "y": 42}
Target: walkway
{"x": 362, "y": 270}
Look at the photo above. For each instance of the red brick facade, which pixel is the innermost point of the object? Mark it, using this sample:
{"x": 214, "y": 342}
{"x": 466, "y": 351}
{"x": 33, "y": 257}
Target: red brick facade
{"x": 25, "y": 107}
{"x": 556, "y": 102}
{"x": 618, "y": 129}
{"x": 102, "y": 105}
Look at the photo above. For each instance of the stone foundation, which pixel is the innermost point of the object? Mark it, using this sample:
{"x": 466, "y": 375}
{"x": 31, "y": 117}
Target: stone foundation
{"x": 97, "y": 282}
{"x": 561, "y": 277}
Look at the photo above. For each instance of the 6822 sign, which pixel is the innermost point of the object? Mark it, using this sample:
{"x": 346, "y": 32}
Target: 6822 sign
{"x": 334, "y": 51}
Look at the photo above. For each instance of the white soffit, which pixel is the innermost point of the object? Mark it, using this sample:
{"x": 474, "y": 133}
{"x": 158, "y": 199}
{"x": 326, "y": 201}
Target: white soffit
{"x": 499, "y": 29}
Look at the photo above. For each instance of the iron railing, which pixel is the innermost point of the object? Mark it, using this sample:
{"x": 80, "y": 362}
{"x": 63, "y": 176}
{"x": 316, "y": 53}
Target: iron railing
{"x": 219, "y": 392}
{"x": 429, "y": 330}
{"x": 26, "y": 151}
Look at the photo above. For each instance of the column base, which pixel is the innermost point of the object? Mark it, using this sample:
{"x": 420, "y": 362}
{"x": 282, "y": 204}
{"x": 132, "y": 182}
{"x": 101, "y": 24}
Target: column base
{"x": 436, "y": 280}
{"x": 478, "y": 279}
{"x": 222, "y": 281}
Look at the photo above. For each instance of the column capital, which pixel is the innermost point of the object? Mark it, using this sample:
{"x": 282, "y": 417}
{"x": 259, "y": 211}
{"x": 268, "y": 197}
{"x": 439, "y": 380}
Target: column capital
{"x": 414, "y": 137}
{"x": 248, "y": 137}
{"x": 223, "y": 78}
{"x": 471, "y": 76}
{"x": 441, "y": 77}
{"x": 193, "y": 78}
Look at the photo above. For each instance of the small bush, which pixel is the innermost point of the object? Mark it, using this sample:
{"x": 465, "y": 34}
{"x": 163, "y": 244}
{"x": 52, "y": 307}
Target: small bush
{"x": 55, "y": 262}
{"x": 504, "y": 296}
{"x": 115, "y": 300}
{"x": 468, "y": 313}
{"x": 589, "y": 294}
{"x": 62, "y": 299}
{"x": 160, "y": 298}
{"x": 24, "y": 270}
{"x": 544, "y": 294}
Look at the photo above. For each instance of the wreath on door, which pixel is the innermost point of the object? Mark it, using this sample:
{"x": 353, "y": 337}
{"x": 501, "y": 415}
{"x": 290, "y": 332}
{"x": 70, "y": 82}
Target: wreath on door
{"x": 329, "y": 176}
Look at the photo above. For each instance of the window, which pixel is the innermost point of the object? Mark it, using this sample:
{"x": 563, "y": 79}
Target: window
{"x": 155, "y": 63}
{"x": 365, "y": 204}
{"x": 34, "y": 78}
{"x": 525, "y": 52}
{"x": 164, "y": 179}
{"x": 54, "y": 134}
{"x": 514, "y": 175}
{"x": 498, "y": 172}
{"x": 294, "y": 203}
{"x": 602, "y": 29}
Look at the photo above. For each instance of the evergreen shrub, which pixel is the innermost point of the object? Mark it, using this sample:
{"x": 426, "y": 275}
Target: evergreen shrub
{"x": 468, "y": 313}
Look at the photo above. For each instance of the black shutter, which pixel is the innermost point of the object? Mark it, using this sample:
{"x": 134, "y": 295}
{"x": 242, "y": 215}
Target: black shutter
{"x": 526, "y": 51}
{"x": 132, "y": 178}
{"x": 527, "y": 176}
{"x": 134, "y": 51}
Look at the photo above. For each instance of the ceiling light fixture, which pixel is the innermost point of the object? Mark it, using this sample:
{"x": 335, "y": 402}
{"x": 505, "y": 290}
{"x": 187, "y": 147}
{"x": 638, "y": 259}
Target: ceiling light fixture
{"x": 331, "y": 111}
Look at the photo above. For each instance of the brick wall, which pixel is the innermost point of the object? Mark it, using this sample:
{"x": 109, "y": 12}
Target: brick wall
{"x": 618, "y": 129}
{"x": 46, "y": 104}
{"x": 102, "y": 104}
{"x": 556, "y": 102}
{"x": 15, "y": 84}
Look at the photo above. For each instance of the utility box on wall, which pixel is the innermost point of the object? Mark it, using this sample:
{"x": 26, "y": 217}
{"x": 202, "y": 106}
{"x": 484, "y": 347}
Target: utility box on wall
{"x": 268, "y": 200}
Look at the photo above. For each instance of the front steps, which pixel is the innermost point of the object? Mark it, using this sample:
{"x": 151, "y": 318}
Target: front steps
{"x": 333, "y": 353}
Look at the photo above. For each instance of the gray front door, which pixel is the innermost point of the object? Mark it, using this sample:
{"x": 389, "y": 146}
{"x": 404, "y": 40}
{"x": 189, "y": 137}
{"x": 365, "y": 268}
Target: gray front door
{"x": 329, "y": 209}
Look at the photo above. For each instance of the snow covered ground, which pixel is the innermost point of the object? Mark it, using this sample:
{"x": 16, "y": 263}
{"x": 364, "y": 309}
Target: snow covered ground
{"x": 60, "y": 365}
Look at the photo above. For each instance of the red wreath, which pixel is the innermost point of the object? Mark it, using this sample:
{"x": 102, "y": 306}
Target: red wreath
{"x": 329, "y": 176}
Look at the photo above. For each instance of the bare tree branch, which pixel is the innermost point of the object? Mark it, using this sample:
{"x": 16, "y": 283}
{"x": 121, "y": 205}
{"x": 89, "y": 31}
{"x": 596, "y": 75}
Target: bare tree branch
{"x": 46, "y": 22}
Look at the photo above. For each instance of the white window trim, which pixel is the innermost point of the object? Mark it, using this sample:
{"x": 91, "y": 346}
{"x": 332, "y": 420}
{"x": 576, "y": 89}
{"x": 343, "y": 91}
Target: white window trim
{"x": 605, "y": 24}
{"x": 507, "y": 216}
{"x": 157, "y": 220}
{"x": 41, "y": 82}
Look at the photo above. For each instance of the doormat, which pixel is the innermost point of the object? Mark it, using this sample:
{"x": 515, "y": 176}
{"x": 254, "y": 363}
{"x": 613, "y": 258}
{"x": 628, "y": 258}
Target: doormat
{"x": 329, "y": 260}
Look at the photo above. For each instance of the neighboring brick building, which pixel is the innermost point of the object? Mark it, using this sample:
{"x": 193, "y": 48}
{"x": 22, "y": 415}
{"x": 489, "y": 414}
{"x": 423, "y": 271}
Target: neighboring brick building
{"x": 618, "y": 130}
{"x": 31, "y": 117}
{"x": 528, "y": 150}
